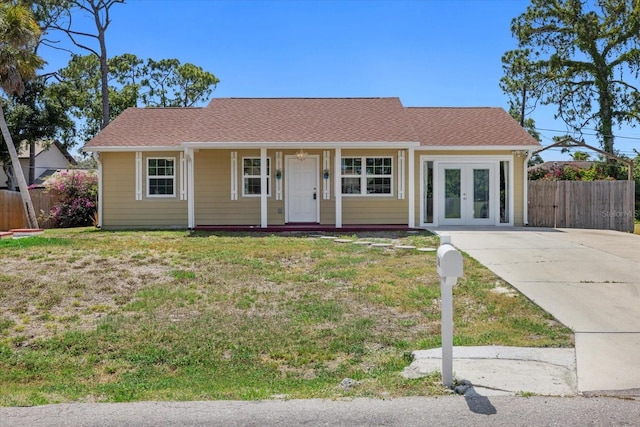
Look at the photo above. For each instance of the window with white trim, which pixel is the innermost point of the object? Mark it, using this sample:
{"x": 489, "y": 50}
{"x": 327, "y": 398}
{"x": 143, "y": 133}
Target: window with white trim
{"x": 161, "y": 177}
{"x": 251, "y": 176}
{"x": 367, "y": 175}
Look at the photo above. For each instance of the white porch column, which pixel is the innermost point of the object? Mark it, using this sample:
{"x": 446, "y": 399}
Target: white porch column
{"x": 525, "y": 191}
{"x": 337, "y": 189}
{"x": 191, "y": 203}
{"x": 411, "y": 189}
{"x": 96, "y": 155}
{"x": 263, "y": 188}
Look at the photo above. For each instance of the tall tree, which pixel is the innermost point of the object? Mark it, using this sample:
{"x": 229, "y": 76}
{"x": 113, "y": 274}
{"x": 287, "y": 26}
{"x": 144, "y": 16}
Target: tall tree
{"x": 18, "y": 34}
{"x": 79, "y": 89}
{"x": 47, "y": 13}
{"x": 33, "y": 117}
{"x": 99, "y": 11}
{"x": 132, "y": 82}
{"x": 581, "y": 56}
{"x": 580, "y": 155}
{"x": 168, "y": 83}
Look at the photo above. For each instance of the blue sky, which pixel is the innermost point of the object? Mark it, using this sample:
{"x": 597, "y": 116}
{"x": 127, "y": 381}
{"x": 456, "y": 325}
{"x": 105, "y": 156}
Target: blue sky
{"x": 427, "y": 52}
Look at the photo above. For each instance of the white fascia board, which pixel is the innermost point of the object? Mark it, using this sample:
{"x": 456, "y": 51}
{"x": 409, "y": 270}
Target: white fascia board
{"x": 477, "y": 147}
{"x": 298, "y": 145}
{"x": 133, "y": 148}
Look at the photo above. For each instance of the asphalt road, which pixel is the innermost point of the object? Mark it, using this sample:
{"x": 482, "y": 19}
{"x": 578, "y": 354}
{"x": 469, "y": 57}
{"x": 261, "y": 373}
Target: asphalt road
{"x": 416, "y": 411}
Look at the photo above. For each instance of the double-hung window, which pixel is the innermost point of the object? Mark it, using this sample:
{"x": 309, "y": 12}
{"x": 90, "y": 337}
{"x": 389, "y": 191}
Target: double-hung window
{"x": 251, "y": 176}
{"x": 161, "y": 177}
{"x": 367, "y": 175}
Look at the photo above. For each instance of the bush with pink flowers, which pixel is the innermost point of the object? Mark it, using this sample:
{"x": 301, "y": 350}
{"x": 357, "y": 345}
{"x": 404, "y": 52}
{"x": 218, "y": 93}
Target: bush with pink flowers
{"x": 77, "y": 191}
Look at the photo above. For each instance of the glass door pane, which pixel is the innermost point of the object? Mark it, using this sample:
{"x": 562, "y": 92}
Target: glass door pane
{"x": 428, "y": 192}
{"x": 452, "y": 194}
{"x": 481, "y": 191}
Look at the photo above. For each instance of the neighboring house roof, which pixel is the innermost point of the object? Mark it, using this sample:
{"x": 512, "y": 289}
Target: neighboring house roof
{"x": 560, "y": 164}
{"x": 311, "y": 120}
{"x": 468, "y": 126}
{"x": 42, "y": 146}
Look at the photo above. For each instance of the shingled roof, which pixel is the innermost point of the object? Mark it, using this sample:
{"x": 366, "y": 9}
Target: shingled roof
{"x": 303, "y": 120}
{"x": 147, "y": 127}
{"x": 311, "y": 120}
{"x": 467, "y": 127}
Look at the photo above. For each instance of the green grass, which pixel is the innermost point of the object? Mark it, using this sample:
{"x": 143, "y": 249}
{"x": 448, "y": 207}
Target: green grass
{"x": 168, "y": 315}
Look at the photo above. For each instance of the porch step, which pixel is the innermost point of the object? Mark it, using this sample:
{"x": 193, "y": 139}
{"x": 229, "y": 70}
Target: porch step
{"x": 24, "y": 232}
{"x": 307, "y": 228}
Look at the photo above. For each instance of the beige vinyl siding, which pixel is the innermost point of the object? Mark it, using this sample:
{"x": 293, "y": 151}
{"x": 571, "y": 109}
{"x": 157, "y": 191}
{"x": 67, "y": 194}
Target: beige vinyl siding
{"x": 328, "y": 210}
{"x": 374, "y": 211}
{"x": 377, "y": 209}
{"x": 121, "y": 210}
{"x": 212, "y": 190}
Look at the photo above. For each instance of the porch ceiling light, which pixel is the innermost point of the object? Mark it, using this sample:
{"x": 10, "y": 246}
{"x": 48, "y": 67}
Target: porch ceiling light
{"x": 301, "y": 155}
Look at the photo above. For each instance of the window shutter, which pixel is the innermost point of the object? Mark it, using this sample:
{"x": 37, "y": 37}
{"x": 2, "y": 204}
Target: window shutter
{"x": 326, "y": 185}
{"x": 138, "y": 175}
{"x": 401, "y": 175}
{"x": 234, "y": 175}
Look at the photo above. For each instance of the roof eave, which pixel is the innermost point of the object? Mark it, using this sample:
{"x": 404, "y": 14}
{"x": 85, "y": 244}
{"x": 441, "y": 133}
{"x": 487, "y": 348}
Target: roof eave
{"x": 296, "y": 145}
{"x": 478, "y": 147}
{"x": 115, "y": 148}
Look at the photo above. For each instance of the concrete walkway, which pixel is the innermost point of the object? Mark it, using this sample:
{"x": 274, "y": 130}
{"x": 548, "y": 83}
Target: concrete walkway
{"x": 587, "y": 279}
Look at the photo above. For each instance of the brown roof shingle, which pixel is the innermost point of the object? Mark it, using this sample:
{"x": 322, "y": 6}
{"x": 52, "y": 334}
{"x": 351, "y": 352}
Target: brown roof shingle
{"x": 468, "y": 126}
{"x": 303, "y": 120}
{"x": 228, "y": 120}
{"x": 147, "y": 127}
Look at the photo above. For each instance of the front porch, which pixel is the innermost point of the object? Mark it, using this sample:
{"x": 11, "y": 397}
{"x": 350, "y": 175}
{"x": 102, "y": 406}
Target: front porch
{"x": 307, "y": 228}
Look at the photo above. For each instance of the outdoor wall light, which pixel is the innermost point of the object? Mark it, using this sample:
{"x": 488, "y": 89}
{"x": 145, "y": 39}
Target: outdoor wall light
{"x": 301, "y": 155}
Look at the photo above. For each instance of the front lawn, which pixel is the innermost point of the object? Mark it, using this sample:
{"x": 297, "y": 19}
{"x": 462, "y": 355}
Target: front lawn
{"x": 90, "y": 315}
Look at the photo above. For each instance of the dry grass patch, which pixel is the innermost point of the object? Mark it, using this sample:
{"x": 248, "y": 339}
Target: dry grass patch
{"x": 91, "y": 315}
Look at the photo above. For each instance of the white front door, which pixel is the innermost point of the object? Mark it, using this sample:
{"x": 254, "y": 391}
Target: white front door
{"x": 467, "y": 194}
{"x": 301, "y": 179}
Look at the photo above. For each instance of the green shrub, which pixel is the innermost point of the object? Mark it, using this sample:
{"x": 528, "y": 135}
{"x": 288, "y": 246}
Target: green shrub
{"x": 78, "y": 198}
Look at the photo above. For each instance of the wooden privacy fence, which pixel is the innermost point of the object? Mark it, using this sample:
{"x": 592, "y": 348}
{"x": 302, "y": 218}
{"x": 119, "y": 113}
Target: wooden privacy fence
{"x": 12, "y": 212}
{"x": 606, "y": 205}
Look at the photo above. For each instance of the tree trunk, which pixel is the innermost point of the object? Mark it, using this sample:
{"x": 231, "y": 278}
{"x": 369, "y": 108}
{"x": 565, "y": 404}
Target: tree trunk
{"x": 32, "y": 220}
{"x": 8, "y": 171}
{"x": 104, "y": 83}
{"x": 32, "y": 162}
{"x": 104, "y": 68}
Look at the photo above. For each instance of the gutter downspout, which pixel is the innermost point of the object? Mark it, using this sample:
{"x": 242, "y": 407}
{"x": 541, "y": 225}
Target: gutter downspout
{"x": 96, "y": 156}
{"x": 525, "y": 177}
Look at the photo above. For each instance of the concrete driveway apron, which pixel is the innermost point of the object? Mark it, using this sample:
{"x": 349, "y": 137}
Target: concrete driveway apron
{"x": 587, "y": 279}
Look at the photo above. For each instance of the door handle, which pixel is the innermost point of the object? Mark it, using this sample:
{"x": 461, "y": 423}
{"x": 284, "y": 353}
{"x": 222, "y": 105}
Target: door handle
{"x": 315, "y": 196}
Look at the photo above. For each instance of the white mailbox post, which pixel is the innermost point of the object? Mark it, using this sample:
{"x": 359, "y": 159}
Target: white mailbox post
{"x": 449, "y": 268}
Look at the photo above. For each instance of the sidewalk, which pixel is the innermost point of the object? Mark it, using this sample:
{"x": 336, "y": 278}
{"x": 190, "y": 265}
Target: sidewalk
{"x": 502, "y": 371}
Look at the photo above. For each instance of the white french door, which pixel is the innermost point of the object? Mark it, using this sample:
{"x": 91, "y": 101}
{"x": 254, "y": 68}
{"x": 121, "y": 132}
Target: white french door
{"x": 302, "y": 189}
{"x": 467, "y": 194}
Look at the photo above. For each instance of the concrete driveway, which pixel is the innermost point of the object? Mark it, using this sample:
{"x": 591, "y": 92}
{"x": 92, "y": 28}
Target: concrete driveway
{"x": 587, "y": 279}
